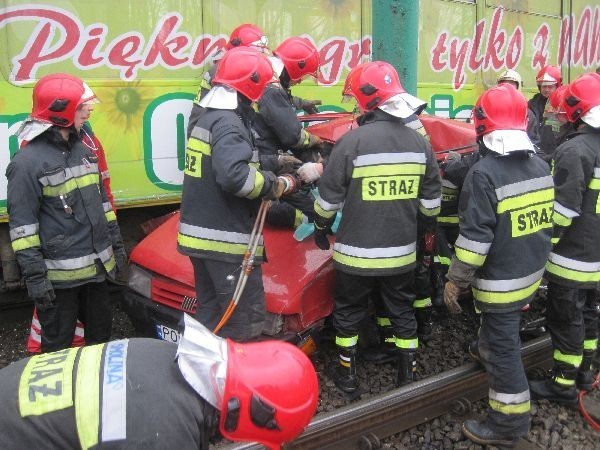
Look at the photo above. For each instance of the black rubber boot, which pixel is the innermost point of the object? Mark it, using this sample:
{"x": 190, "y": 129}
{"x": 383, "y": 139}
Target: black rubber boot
{"x": 386, "y": 351}
{"x": 407, "y": 368}
{"x": 437, "y": 297}
{"x": 585, "y": 374}
{"x": 553, "y": 391}
{"x": 345, "y": 377}
{"x": 481, "y": 433}
{"x": 424, "y": 325}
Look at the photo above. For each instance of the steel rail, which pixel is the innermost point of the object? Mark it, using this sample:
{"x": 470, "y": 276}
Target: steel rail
{"x": 358, "y": 425}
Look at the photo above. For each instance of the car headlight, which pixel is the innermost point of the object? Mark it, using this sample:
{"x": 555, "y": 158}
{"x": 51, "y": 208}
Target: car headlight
{"x": 140, "y": 280}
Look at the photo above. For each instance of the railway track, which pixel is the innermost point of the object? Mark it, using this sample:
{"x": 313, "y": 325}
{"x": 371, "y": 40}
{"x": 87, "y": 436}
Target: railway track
{"x": 362, "y": 424}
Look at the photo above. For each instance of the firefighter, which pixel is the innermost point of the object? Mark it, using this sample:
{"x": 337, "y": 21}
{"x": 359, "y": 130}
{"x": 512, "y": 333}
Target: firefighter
{"x": 147, "y": 393}
{"x": 385, "y": 175}
{"x": 505, "y": 210}
{"x": 556, "y": 127}
{"x": 62, "y": 226}
{"x": 279, "y": 131}
{"x": 533, "y": 128}
{"x": 548, "y": 80}
{"x": 222, "y": 190}
{"x": 573, "y": 268}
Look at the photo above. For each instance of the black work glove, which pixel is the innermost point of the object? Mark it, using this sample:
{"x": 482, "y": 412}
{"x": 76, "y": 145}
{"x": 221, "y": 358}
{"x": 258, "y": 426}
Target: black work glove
{"x": 122, "y": 271}
{"x": 322, "y": 229}
{"x": 42, "y": 293}
{"x": 310, "y": 106}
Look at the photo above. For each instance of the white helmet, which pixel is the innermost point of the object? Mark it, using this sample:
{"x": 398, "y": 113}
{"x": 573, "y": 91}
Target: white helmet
{"x": 511, "y": 76}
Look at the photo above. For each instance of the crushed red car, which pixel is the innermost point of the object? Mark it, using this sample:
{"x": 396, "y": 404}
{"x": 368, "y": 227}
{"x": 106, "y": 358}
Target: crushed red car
{"x": 298, "y": 277}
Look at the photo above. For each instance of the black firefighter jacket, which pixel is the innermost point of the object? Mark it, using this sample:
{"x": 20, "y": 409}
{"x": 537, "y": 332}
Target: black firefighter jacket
{"x": 62, "y": 226}
{"x": 126, "y": 394}
{"x": 384, "y": 174}
{"x": 505, "y": 211}
{"x": 222, "y": 186}
{"x": 575, "y": 258}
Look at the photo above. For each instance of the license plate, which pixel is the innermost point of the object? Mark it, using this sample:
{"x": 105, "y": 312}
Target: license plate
{"x": 167, "y": 334}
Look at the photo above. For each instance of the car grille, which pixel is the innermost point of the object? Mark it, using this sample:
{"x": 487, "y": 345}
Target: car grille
{"x": 174, "y": 295}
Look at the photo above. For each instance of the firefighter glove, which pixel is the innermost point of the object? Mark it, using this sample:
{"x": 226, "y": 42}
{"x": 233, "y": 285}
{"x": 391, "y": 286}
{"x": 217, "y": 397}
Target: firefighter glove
{"x": 310, "y": 172}
{"x": 451, "y": 294}
{"x": 287, "y": 163}
{"x": 283, "y": 185}
{"x": 322, "y": 229}
{"x": 310, "y": 106}
{"x": 122, "y": 271}
{"x": 42, "y": 294}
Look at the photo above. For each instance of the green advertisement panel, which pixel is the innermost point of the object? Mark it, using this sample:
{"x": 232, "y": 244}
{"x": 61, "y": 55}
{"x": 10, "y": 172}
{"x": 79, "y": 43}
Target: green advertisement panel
{"x": 145, "y": 59}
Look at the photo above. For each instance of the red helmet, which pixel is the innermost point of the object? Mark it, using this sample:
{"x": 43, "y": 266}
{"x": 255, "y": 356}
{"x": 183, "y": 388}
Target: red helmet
{"x": 247, "y": 35}
{"x": 502, "y": 107}
{"x": 56, "y": 98}
{"x": 557, "y": 97}
{"x": 376, "y": 82}
{"x": 353, "y": 75}
{"x": 581, "y": 96}
{"x": 271, "y": 392}
{"x": 246, "y": 70}
{"x": 549, "y": 75}
{"x": 299, "y": 56}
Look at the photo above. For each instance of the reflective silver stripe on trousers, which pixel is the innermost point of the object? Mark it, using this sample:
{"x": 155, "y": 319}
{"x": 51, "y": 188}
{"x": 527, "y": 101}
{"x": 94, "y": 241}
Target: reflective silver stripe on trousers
{"x": 383, "y": 252}
{"x": 24, "y": 231}
{"x": 563, "y": 210}
{"x": 573, "y": 264}
{"x": 114, "y": 392}
{"x": 431, "y": 203}
{"x": 473, "y": 246}
{"x": 389, "y": 158}
{"x": 215, "y": 235}
{"x": 508, "y": 285}
{"x": 509, "y": 399}
{"x": 326, "y": 206}
{"x": 248, "y": 184}
{"x": 510, "y": 190}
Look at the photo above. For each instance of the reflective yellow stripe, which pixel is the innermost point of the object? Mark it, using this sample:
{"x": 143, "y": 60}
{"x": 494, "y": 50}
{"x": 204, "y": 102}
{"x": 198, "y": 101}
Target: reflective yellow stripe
{"x": 563, "y": 381}
{"x": 388, "y": 169}
{"x": 110, "y": 216}
{"x": 573, "y": 360}
{"x": 259, "y": 182}
{"x": 196, "y": 145}
{"x": 297, "y": 218}
{"x": 374, "y": 263}
{"x": 74, "y": 274}
{"x": 110, "y": 264}
{"x": 87, "y": 395}
{"x": 570, "y": 274}
{"x": 447, "y": 219}
{"x": 429, "y": 212}
{"x": 444, "y": 261}
{"x": 422, "y": 303}
{"x": 561, "y": 220}
{"x": 323, "y": 213}
{"x": 472, "y": 258}
{"x": 387, "y": 188}
{"x": 594, "y": 184}
{"x": 215, "y": 246}
{"x": 26, "y": 242}
{"x": 383, "y": 321}
{"x": 46, "y": 383}
{"x": 71, "y": 184}
{"x": 518, "y": 408}
{"x": 505, "y": 297}
{"x": 407, "y": 343}
{"x": 554, "y": 240}
{"x": 590, "y": 344}
{"x": 531, "y": 219}
{"x": 525, "y": 200}
{"x": 346, "y": 342}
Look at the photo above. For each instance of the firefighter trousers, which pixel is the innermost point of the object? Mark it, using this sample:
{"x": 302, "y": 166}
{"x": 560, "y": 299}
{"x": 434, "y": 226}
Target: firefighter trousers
{"x": 284, "y": 213}
{"x": 214, "y": 291}
{"x": 499, "y": 347}
{"x": 572, "y": 318}
{"x": 352, "y": 295}
{"x": 90, "y": 302}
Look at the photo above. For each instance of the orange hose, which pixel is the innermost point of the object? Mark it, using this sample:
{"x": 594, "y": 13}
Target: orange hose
{"x": 586, "y": 416}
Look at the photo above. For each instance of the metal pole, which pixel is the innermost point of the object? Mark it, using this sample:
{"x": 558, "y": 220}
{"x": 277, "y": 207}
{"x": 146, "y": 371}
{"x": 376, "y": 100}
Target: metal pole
{"x": 396, "y": 37}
